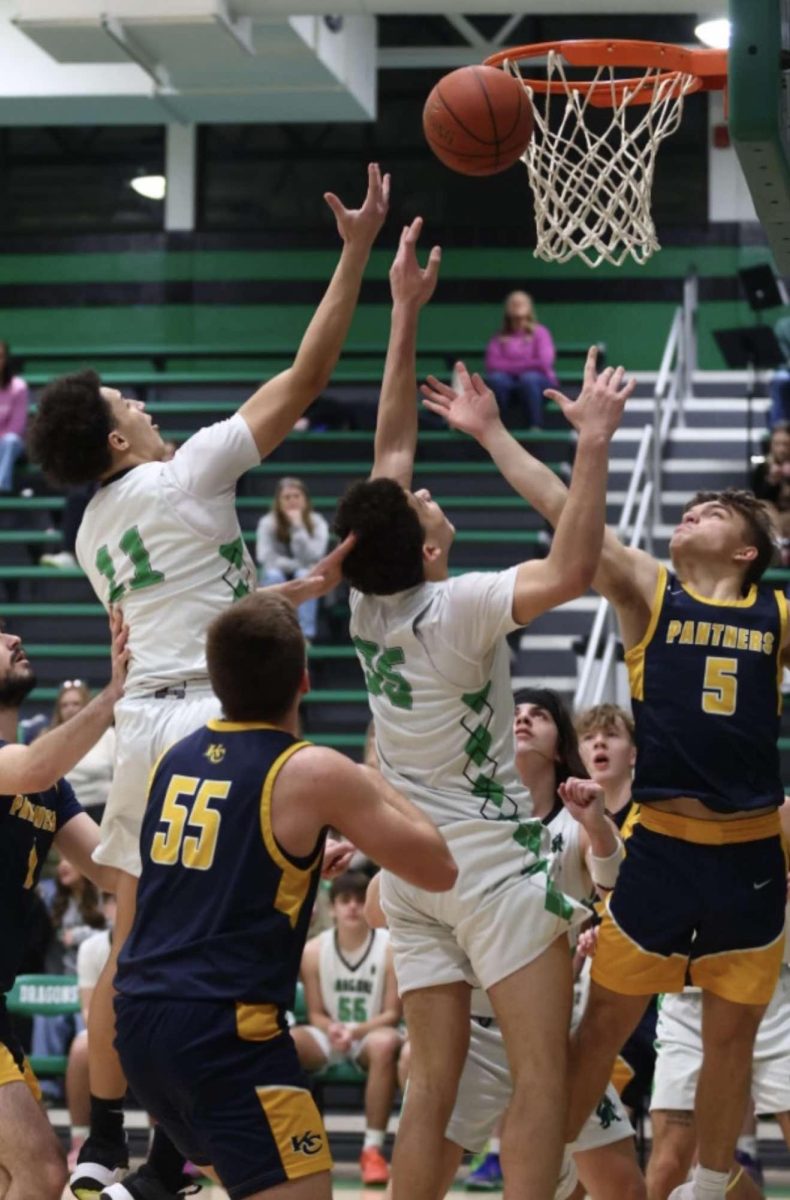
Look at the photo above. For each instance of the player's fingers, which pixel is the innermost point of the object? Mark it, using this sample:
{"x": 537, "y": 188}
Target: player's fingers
{"x": 437, "y": 385}
{"x": 564, "y": 403}
{"x": 413, "y": 231}
{"x": 479, "y": 384}
{"x": 627, "y": 390}
{"x": 385, "y": 188}
{"x": 589, "y": 365}
{"x": 336, "y": 556}
{"x": 434, "y": 261}
{"x": 463, "y": 375}
{"x": 336, "y": 205}
{"x": 441, "y": 410}
{"x": 617, "y": 378}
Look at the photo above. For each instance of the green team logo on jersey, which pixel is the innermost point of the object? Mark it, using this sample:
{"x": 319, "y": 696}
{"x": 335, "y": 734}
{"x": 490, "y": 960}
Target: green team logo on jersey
{"x": 380, "y": 677}
{"x": 237, "y": 575}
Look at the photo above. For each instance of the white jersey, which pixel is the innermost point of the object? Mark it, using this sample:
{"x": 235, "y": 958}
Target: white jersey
{"x": 353, "y": 990}
{"x": 437, "y": 671}
{"x": 163, "y": 541}
{"x": 570, "y": 873}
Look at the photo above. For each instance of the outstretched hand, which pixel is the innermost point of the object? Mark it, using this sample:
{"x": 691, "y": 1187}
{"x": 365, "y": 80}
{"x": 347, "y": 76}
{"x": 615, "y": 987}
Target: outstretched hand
{"x": 360, "y": 226}
{"x": 600, "y": 404}
{"x": 409, "y": 282}
{"x": 470, "y": 408}
{"x": 325, "y": 575}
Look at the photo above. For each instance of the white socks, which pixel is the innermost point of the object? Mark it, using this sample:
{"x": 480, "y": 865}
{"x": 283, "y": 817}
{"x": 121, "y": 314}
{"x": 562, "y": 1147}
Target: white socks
{"x": 710, "y": 1185}
{"x": 374, "y": 1137}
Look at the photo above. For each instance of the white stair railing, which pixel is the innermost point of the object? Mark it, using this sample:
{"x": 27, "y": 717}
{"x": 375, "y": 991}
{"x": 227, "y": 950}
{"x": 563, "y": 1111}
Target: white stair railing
{"x": 674, "y": 385}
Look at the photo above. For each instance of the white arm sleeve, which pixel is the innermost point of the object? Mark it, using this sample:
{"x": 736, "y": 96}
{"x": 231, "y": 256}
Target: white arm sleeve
{"x": 479, "y": 611}
{"x": 209, "y": 464}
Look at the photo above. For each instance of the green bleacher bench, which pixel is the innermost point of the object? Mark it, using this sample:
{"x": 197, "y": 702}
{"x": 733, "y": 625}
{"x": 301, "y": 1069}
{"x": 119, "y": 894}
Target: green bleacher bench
{"x": 45, "y": 996}
{"x": 257, "y": 503}
{"x": 99, "y": 650}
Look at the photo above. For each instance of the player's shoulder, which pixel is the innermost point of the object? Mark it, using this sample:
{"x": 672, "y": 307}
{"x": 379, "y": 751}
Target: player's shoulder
{"x": 317, "y": 766}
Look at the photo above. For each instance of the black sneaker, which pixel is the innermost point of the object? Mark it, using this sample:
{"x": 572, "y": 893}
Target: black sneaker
{"x": 100, "y": 1165}
{"x": 145, "y": 1184}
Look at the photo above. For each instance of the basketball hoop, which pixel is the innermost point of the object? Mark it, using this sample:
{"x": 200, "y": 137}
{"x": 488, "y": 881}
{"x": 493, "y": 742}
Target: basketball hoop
{"x": 592, "y": 185}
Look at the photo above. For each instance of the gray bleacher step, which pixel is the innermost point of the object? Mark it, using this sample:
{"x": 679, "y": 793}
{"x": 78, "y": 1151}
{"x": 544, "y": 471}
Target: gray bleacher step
{"x": 566, "y": 684}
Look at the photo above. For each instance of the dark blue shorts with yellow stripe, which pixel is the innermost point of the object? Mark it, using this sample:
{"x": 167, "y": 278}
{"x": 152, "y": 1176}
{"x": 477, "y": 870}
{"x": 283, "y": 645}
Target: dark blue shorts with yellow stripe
{"x": 225, "y": 1082}
{"x": 699, "y": 902}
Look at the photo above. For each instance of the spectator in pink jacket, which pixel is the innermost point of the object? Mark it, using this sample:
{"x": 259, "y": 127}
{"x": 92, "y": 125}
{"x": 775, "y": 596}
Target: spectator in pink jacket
{"x": 13, "y": 418}
{"x": 520, "y": 359}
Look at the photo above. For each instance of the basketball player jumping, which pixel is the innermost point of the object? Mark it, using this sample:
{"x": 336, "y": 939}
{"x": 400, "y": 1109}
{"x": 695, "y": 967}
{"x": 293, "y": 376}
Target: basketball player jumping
{"x": 162, "y": 540}
{"x": 703, "y": 886}
{"x": 436, "y": 665}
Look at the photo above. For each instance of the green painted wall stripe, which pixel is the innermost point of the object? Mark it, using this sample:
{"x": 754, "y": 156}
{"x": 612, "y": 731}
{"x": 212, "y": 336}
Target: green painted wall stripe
{"x": 155, "y": 266}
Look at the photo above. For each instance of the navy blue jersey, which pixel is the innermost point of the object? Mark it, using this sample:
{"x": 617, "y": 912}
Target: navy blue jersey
{"x": 705, "y": 683}
{"x": 28, "y": 824}
{"x": 222, "y": 909}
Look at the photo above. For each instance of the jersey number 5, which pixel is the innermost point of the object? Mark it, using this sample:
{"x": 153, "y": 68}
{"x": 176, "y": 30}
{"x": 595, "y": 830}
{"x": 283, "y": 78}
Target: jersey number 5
{"x": 720, "y": 688}
{"x": 187, "y": 803}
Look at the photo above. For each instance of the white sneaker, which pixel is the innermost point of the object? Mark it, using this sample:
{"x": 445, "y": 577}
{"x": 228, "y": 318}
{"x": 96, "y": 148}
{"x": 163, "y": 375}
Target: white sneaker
{"x": 63, "y": 559}
{"x": 566, "y": 1184}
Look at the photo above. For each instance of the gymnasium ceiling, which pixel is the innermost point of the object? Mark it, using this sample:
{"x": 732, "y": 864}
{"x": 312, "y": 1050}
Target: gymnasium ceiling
{"x": 154, "y": 61}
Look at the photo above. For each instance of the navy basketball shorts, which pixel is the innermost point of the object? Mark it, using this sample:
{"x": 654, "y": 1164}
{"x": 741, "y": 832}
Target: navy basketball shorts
{"x": 696, "y": 901}
{"x": 224, "y": 1081}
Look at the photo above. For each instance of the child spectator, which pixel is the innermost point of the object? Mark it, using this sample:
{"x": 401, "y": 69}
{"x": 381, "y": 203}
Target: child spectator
{"x": 520, "y": 359}
{"x": 290, "y": 540}
{"x": 771, "y": 483}
{"x": 13, "y": 418}
{"x": 354, "y": 1011}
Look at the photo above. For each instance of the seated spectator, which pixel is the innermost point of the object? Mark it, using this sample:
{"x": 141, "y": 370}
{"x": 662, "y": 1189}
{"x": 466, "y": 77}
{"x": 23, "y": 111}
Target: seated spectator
{"x": 771, "y": 483}
{"x": 520, "y": 359}
{"x": 354, "y": 1011}
{"x": 290, "y": 540}
{"x": 92, "y": 776}
{"x": 76, "y": 914}
{"x": 780, "y": 384}
{"x": 13, "y": 418}
{"x": 91, "y": 957}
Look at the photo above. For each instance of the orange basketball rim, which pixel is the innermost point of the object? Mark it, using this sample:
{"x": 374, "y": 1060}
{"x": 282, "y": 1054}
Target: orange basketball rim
{"x": 708, "y": 68}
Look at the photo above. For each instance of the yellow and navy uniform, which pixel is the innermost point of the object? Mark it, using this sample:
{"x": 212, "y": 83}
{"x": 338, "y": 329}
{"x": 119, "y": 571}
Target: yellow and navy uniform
{"x": 703, "y": 900}
{"x": 29, "y": 824}
{"x": 705, "y": 684}
{"x": 211, "y": 963}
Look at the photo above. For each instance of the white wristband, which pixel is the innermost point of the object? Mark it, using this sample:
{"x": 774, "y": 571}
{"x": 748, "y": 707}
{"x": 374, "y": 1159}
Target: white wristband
{"x": 604, "y": 871}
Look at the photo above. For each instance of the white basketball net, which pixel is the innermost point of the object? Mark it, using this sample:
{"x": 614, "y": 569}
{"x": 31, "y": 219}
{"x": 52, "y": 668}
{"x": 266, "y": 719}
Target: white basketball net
{"x": 592, "y": 190}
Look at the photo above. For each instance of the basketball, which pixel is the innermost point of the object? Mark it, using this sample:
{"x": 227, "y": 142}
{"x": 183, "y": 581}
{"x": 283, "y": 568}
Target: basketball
{"x": 478, "y": 120}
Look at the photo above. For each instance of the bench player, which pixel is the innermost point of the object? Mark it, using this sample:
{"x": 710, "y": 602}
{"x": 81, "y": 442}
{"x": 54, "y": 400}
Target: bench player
{"x": 703, "y": 886}
{"x": 162, "y": 540}
{"x": 353, "y": 1011}
{"x": 436, "y": 664}
{"x": 231, "y": 844}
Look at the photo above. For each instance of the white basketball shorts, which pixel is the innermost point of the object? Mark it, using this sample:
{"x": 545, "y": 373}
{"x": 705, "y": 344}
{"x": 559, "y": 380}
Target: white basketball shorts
{"x": 144, "y": 728}
{"x": 502, "y": 913}
{"x": 484, "y": 1093}
{"x": 679, "y": 1057}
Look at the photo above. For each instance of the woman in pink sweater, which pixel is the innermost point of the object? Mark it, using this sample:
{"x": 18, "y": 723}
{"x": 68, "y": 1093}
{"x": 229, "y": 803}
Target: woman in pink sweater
{"x": 13, "y": 418}
{"x": 520, "y": 359}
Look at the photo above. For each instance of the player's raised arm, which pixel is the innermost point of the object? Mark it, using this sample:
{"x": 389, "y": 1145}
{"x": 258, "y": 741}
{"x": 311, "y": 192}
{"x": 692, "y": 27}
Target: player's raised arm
{"x": 396, "y": 425}
{"x": 39, "y": 766}
{"x": 274, "y": 409}
{"x": 626, "y": 577}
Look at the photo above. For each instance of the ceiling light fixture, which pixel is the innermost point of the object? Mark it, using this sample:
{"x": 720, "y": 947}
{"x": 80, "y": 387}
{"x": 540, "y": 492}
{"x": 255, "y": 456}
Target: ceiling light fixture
{"x": 153, "y": 187}
{"x": 715, "y": 34}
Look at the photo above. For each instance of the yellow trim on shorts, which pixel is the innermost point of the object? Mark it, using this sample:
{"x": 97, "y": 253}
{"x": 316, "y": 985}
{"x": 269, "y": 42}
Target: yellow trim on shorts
{"x": 710, "y": 833}
{"x": 297, "y": 1130}
{"x": 295, "y": 882}
{"x": 743, "y": 602}
{"x": 742, "y": 976}
{"x": 257, "y": 1022}
{"x": 635, "y": 657}
{"x": 11, "y": 1072}
{"x": 781, "y": 604}
{"x": 622, "y": 1074}
{"x": 622, "y": 965}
